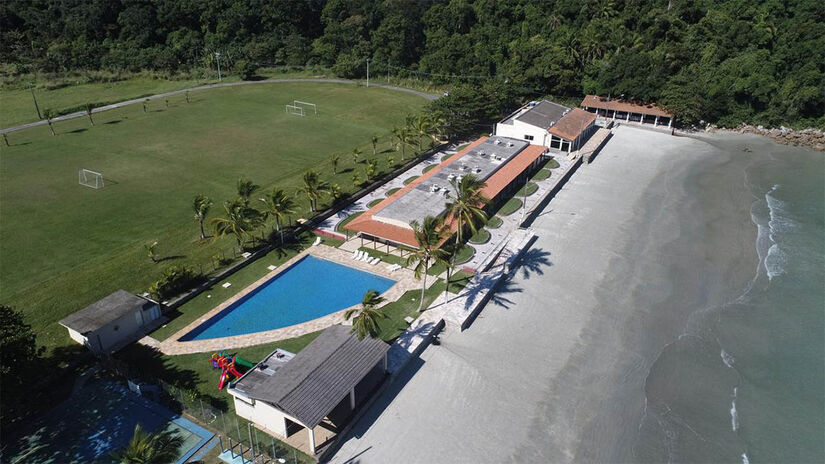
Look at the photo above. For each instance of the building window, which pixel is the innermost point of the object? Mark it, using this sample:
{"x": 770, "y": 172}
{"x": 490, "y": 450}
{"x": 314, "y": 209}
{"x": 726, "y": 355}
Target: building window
{"x": 528, "y": 137}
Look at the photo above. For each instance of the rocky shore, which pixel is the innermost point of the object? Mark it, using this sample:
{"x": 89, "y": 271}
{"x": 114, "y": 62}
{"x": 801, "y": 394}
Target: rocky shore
{"x": 813, "y": 138}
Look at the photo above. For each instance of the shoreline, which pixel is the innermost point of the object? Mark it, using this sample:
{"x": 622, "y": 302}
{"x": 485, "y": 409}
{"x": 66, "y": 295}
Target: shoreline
{"x": 806, "y": 138}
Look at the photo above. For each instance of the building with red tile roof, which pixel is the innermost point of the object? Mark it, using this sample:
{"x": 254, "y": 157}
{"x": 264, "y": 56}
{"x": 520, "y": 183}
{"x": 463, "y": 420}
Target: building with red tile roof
{"x": 549, "y": 124}
{"x": 503, "y": 163}
{"x": 619, "y": 109}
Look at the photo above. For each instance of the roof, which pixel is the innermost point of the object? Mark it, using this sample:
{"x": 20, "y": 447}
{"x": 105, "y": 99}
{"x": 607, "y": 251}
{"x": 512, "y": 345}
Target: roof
{"x": 572, "y": 124}
{"x": 543, "y": 114}
{"x": 428, "y": 197}
{"x": 595, "y": 101}
{"x": 102, "y": 312}
{"x": 309, "y": 386}
{"x": 496, "y": 182}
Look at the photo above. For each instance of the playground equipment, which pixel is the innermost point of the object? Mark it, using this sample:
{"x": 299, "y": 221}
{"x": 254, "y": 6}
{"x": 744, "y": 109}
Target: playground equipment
{"x": 227, "y": 364}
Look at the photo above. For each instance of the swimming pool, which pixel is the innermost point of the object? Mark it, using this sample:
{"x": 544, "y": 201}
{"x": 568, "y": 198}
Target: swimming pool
{"x": 308, "y": 289}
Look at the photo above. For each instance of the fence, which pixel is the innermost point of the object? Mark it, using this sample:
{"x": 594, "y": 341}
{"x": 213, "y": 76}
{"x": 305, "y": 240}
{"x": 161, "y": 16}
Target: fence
{"x": 235, "y": 435}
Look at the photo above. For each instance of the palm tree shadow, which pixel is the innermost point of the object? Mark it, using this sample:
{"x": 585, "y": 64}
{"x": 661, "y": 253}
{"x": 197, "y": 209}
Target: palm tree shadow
{"x": 533, "y": 261}
{"x": 116, "y": 121}
{"x": 170, "y": 258}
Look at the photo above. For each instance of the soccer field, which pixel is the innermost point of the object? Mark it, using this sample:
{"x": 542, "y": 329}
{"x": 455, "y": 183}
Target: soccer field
{"x": 63, "y": 245}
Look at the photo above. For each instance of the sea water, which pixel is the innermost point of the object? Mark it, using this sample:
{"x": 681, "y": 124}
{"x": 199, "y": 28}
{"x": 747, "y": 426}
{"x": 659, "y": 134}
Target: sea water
{"x": 745, "y": 382}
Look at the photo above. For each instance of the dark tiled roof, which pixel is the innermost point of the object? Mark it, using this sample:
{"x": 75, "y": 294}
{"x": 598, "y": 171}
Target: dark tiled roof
{"x": 107, "y": 310}
{"x": 310, "y": 385}
{"x": 543, "y": 115}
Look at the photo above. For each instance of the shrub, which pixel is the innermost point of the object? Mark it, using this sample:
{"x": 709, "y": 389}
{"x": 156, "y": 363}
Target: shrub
{"x": 174, "y": 280}
{"x": 245, "y": 69}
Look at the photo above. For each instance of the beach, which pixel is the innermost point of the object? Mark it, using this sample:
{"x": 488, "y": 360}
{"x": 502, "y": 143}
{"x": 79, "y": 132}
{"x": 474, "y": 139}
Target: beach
{"x": 629, "y": 332}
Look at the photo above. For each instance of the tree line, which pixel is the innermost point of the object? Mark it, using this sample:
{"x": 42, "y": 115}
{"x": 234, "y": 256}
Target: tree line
{"x": 720, "y": 61}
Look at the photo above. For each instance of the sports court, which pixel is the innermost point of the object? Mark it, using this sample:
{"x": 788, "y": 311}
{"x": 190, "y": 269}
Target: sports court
{"x": 96, "y": 421}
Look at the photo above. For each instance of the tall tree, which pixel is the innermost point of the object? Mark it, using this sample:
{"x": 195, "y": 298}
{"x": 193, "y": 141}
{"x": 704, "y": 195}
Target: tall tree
{"x": 313, "y": 187}
{"x": 89, "y": 107}
{"x": 20, "y": 355}
{"x": 334, "y": 159}
{"x": 279, "y": 205}
{"x": 465, "y": 206}
{"x": 245, "y": 190}
{"x": 365, "y": 318}
{"x": 374, "y": 140}
{"x": 429, "y": 235}
{"x": 239, "y": 220}
{"x": 48, "y": 114}
{"x": 201, "y": 205}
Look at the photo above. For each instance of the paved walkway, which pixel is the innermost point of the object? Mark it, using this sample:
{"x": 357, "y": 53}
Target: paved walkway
{"x": 405, "y": 281}
{"x": 82, "y": 114}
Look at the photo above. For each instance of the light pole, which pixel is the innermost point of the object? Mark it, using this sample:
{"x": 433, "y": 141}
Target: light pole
{"x": 218, "y": 60}
{"x": 35, "y": 101}
{"x": 368, "y": 72}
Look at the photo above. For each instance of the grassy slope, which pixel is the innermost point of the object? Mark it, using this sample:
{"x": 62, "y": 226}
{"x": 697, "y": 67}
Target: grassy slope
{"x": 64, "y": 246}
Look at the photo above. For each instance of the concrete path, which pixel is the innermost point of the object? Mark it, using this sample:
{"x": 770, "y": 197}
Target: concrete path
{"x": 82, "y": 114}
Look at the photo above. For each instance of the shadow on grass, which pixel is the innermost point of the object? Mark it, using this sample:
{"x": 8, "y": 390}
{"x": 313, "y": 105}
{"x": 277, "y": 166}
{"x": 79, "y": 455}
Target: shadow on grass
{"x": 170, "y": 258}
{"x": 116, "y": 121}
{"x": 77, "y": 131}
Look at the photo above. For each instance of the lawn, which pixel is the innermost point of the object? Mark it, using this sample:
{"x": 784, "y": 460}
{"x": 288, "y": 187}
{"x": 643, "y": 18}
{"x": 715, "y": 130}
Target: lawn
{"x": 430, "y": 168}
{"x": 374, "y": 202}
{"x": 351, "y": 217}
{"x": 494, "y": 222}
{"x": 482, "y": 235}
{"x": 65, "y": 246}
{"x": 531, "y": 188}
{"x": 511, "y": 206}
{"x": 410, "y": 179}
{"x": 541, "y": 174}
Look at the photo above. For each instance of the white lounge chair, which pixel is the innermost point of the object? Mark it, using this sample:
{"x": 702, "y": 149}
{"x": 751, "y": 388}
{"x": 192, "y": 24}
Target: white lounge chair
{"x": 358, "y": 255}
{"x": 317, "y": 241}
{"x": 375, "y": 261}
{"x": 366, "y": 257}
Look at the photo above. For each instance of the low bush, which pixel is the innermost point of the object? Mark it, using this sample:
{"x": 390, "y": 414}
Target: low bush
{"x": 175, "y": 280}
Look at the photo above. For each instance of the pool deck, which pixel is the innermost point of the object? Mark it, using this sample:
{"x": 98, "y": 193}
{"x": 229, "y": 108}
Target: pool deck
{"x": 405, "y": 281}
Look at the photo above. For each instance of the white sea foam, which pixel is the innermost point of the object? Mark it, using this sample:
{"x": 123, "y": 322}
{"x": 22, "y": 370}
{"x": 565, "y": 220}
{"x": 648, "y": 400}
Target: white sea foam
{"x": 775, "y": 261}
{"x": 734, "y": 417}
{"x": 778, "y": 224}
{"x": 745, "y": 459}
{"x": 728, "y": 359}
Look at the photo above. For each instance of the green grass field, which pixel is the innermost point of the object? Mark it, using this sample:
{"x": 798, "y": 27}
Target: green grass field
{"x": 63, "y": 246}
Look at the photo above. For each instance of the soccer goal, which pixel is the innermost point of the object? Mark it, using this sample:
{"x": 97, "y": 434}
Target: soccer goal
{"x": 90, "y": 178}
{"x": 306, "y": 106}
{"x": 295, "y": 110}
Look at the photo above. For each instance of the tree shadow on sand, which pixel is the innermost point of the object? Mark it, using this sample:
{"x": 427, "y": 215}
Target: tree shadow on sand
{"x": 532, "y": 262}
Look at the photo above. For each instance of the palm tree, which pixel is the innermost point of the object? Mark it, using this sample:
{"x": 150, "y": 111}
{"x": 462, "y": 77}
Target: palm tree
{"x": 428, "y": 235}
{"x": 465, "y": 206}
{"x": 404, "y": 139}
{"x": 48, "y": 114}
{"x": 371, "y": 169}
{"x": 150, "y": 251}
{"x": 245, "y": 190}
{"x": 89, "y": 107}
{"x": 355, "y": 154}
{"x": 240, "y": 220}
{"x": 313, "y": 188}
{"x": 374, "y": 140}
{"x": 143, "y": 448}
{"x": 334, "y": 160}
{"x": 201, "y": 205}
{"x": 366, "y": 317}
{"x": 279, "y": 205}
{"x": 420, "y": 126}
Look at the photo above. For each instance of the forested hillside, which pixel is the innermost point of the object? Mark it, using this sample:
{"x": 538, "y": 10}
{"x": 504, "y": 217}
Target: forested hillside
{"x": 720, "y": 61}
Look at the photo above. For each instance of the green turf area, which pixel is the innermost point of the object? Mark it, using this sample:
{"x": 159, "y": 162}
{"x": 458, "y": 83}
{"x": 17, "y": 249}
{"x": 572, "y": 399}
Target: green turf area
{"x": 446, "y": 157}
{"x": 386, "y": 258}
{"x": 392, "y": 191}
{"x": 552, "y": 164}
{"x": 465, "y": 254}
{"x": 18, "y": 106}
{"x": 531, "y": 188}
{"x": 512, "y": 205}
{"x": 410, "y": 179}
{"x": 350, "y": 218}
{"x": 494, "y": 222}
{"x": 430, "y": 168}
{"x": 542, "y": 174}
{"x": 64, "y": 246}
{"x": 374, "y": 202}
{"x": 481, "y": 236}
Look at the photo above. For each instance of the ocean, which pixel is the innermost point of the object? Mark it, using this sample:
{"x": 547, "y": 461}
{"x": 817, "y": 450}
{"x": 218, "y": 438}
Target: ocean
{"x": 744, "y": 380}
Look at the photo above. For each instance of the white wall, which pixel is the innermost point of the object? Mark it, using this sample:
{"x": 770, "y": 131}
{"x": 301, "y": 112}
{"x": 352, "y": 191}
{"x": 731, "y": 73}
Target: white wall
{"x": 117, "y": 331}
{"x": 520, "y": 130}
{"x": 262, "y": 414}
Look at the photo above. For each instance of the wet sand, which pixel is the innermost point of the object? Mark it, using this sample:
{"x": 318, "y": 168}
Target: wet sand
{"x": 555, "y": 368}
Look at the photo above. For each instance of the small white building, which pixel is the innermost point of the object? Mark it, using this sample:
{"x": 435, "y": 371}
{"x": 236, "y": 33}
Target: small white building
{"x": 112, "y": 322}
{"x": 317, "y": 390}
{"x": 548, "y": 124}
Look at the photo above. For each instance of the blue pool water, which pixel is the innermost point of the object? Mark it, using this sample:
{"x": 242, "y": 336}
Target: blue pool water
{"x": 309, "y": 289}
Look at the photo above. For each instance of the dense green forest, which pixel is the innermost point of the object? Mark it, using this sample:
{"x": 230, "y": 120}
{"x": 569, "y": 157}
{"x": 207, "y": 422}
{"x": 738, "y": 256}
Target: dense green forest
{"x": 758, "y": 61}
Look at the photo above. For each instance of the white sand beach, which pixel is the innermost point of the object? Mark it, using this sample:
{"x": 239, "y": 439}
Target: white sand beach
{"x": 555, "y": 368}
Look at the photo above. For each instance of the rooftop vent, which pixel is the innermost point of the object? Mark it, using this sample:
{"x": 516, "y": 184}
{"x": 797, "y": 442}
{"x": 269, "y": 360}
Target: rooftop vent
{"x": 509, "y": 144}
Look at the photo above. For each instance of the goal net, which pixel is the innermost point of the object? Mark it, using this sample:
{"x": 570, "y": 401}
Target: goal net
{"x": 295, "y": 110}
{"x": 90, "y": 178}
{"x": 306, "y": 106}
